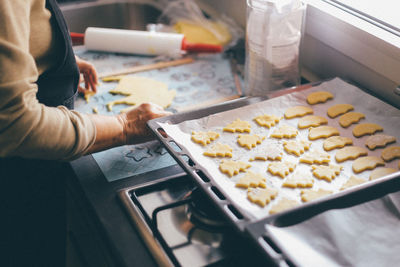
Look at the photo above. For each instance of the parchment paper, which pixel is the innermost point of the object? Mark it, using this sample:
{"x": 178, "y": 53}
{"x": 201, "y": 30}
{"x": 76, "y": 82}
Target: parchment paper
{"x": 375, "y": 111}
{"x": 363, "y": 235}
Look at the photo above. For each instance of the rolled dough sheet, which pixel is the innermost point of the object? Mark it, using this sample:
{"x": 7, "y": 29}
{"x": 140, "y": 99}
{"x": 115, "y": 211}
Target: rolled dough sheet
{"x": 140, "y": 90}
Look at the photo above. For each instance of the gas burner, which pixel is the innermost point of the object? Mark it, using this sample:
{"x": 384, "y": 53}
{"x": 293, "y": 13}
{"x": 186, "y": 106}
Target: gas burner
{"x": 203, "y": 214}
{"x": 181, "y": 226}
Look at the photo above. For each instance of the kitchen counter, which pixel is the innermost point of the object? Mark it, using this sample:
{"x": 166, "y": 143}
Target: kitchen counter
{"x": 101, "y": 233}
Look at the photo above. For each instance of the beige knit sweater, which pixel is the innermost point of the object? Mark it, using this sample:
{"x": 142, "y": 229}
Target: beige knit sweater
{"x": 28, "y": 128}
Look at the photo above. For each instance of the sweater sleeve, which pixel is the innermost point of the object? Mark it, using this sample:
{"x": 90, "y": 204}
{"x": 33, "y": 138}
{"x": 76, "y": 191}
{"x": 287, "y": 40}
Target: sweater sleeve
{"x": 27, "y": 128}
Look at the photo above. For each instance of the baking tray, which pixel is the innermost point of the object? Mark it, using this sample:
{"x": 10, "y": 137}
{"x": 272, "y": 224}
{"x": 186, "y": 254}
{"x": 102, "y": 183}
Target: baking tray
{"x": 234, "y": 213}
{"x": 350, "y": 201}
{"x": 188, "y": 164}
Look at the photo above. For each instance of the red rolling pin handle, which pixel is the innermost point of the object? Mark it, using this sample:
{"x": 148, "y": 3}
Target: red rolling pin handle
{"x": 77, "y": 38}
{"x": 207, "y": 48}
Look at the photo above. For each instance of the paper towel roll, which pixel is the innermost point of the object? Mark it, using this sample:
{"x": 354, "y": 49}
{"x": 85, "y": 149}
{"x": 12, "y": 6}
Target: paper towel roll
{"x": 132, "y": 42}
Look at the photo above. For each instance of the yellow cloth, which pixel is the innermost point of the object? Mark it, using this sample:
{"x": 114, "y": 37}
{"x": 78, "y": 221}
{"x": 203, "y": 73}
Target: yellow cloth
{"x": 28, "y": 128}
{"x": 194, "y": 33}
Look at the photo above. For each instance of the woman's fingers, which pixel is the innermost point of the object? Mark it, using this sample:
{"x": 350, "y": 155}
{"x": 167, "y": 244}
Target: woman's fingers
{"x": 89, "y": 74}
{"x": 135, "y": 121}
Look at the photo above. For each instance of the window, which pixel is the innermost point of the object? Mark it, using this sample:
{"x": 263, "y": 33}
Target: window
{"x": 354, "y": 40}
{"x": 383, "y": 13}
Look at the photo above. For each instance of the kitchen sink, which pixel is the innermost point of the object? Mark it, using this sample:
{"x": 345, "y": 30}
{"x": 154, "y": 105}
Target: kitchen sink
{"x": 121, "y": 15}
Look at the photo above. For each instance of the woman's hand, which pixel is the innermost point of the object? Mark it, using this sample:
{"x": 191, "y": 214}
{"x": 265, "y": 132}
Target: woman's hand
{"x": 134, "y": 122}
{"x": 126, "y": 128}
{"x": 89, "y": 76}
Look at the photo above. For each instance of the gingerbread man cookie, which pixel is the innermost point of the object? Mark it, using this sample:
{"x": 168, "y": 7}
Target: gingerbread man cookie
{"x": 336, "y": 142}
{"x": 297, "y": 111}
{"x": 327, "y": 173}
{"x": 267, "y": 120}
{"x": 339, "y": 109}
{"x": 204, "y": 138}
{"x": 391, "y": 153}
{"x": 232, "y": 167}
{"x": 311, "y": 121}
{"x": 315, "y": 157}
{"x": 300, "y": 180}
{"x": 319, "y": 97}
{"x": 296, "y": 147}
{"x": 249, "y": 141}
{"x": 261, "y": 196}
{"x": 281, "y": 168}
{"x": 251, "y": 179}
{"x": 379, "y": 140}
{"x": 350, "y": 152}
{"x": 219, "y": 150}
{"x": 238, "y": 126}
{"x": 367, "y": 163}
{"x": 285, "y": 131}
{"x": 270, "y": 152}
{"x": 349, "y": 118}
{"x": 366, "y": 128}
{"x": 322, "y": 132}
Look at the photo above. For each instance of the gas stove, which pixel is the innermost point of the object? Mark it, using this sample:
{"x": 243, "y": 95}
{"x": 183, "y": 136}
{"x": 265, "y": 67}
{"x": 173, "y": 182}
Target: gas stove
{"x": 181, "y": 227}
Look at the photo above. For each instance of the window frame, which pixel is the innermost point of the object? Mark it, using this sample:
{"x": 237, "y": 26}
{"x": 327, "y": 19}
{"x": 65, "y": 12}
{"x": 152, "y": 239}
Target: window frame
{"x": 338, "y": 43}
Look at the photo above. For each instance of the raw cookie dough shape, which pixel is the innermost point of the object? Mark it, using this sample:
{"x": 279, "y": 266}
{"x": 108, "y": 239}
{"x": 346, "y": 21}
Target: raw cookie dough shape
{"x": 204, "y": 138}
{"x": 349, "y": 118}
{"x": 282, "y": 205}
{"x": 318, "y": 97}
{"x": 285, "y": 131}
{"x": 296, "y": 147}
{"x": 322, "y": 132}
{"x": 327, "y": 173}
{"x": 310, "y": 195}
{"x": 251, "y": 179}
{"x": 350, "y": 152}
{"x": 297, "y": 111}
{"x": 366, "y": 128}
{"x": 261, "y": 196}
{"x": 380, "y": 172}
{"x": 232, "y": 167}
{"x": 219, "y": 150}
{"x": 379, "y": 140}
{"x": 249, "y": 141}
{"x": 353, "y": 181}
{"x": 316, "y": 157}
{"x": 339, "y": 109}
{"x": 299, "y": 180}
{"x": 87, "y": 95}
{"x": 238, "y": 126}
{"x": 267, "y": 120}
{"x": 336, "y": 142}
{"x": 311, "y": 121}
{"x": 281, "y": 168}
{"x": 271, "y": 152}
{"x": 141, "y": 90}
{"x": 391, "y": 153}
{"x": 367, "y": 163}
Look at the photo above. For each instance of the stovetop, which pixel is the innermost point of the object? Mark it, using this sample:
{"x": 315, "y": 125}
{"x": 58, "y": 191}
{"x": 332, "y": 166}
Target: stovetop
{"x": 181, "y": 227}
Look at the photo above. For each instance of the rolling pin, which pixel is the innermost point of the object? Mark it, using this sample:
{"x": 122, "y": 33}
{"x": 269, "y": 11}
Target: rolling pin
{"x": 138, "y": 42}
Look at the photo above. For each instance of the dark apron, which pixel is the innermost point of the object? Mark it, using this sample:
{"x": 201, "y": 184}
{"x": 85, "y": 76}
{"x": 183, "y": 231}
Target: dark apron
{"x": 33, "y": 203}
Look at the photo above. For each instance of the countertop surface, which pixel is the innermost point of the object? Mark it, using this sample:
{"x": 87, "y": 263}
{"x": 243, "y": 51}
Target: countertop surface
{"x": 100, "y": 176}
